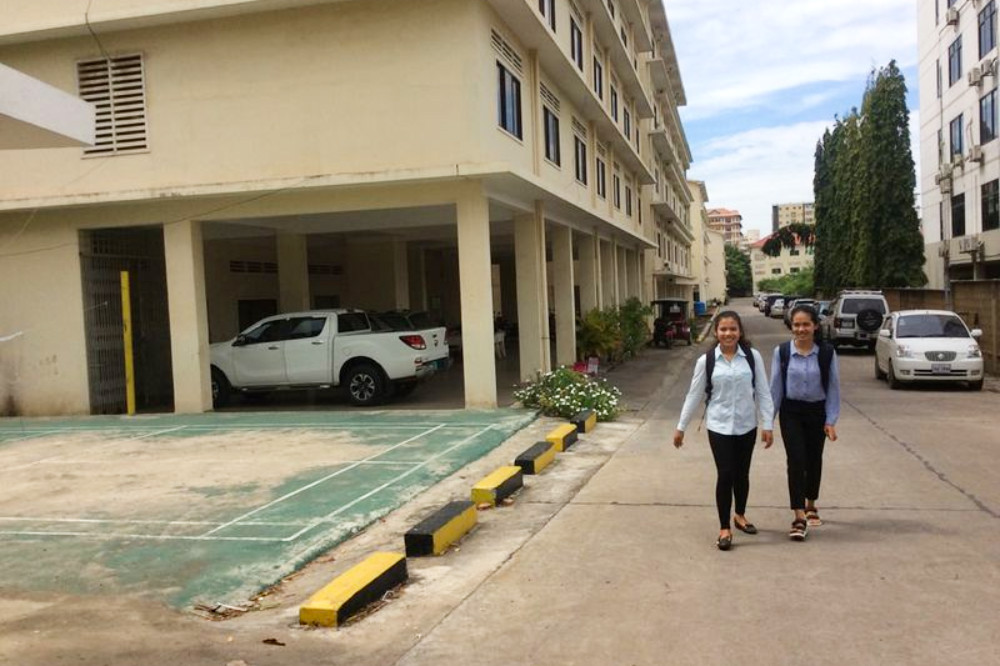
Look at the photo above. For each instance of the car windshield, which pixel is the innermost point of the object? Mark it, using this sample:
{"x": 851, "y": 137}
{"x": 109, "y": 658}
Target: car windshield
{"x": 856, "y": 305}
{"x": 931, "y": 326}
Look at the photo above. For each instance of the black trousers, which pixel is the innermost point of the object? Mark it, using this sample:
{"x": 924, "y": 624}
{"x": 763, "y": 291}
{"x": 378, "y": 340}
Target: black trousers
{"x": 802, "y": 431}
{"x": 732, "y": 455}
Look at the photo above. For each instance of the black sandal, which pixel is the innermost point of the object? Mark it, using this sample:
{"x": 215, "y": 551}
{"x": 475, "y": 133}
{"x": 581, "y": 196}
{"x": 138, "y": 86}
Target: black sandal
{"x": 747, "y": 527}
{"x": 798, "y": 531}
{"x": 724, "y": 542}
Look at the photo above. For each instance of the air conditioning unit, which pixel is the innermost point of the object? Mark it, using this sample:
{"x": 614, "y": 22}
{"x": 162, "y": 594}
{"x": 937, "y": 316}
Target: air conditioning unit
{"x": 968, "y": 243}
{"x": 976, "y": 154}
{"x": 975, "y": 76}
{"x": 951, "y": 16}
{"x": 945, "y": 186}
{"x": 945, "y": 171}
{"x": 988, "y": 67}
{"x": 958, "y": 160}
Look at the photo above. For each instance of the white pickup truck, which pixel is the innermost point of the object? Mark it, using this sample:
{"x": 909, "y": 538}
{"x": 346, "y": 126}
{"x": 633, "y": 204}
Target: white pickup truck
{"x": 324, "y": 348}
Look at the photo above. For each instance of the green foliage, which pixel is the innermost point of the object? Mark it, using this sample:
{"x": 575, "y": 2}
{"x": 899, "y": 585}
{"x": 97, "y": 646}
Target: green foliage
{"x": 564, "y": 392}
{"x": 598, "y": 333}
{"x": 790, "y": 236}
{"x": 633, "y": 319}
{"x": 801, "y": 283}
{"x": 739, "y": 281}
{"x": 867, "y": 230}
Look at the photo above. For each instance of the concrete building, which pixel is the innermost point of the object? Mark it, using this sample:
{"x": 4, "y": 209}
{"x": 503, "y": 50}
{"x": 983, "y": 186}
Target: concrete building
{"x": 276, "y": 155}
{"x": 765, "y": 267}
{"x": 791, "y": 213}
{"x": 959, "y": 171}
{"x": 729, "y": 222}
{"x": 707, "y": 253}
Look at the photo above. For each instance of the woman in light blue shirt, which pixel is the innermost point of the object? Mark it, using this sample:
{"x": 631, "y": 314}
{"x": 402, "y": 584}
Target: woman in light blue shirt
{"x": 805, "y": 387}
{"x": 737, "y": 399}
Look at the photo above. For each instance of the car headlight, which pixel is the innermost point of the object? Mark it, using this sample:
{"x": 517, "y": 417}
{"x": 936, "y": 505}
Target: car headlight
{"x": 975, "y": 352}
{"x": 902, "y": 351}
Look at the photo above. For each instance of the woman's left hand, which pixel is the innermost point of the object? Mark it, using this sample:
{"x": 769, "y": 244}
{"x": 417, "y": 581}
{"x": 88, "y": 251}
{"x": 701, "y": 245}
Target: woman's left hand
{"x": 768, "y": 437}
{"x": 831, "y": 432}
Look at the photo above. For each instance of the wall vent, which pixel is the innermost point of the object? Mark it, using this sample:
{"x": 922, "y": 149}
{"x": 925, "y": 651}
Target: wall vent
{"x": 117, "y": 88}
{"x": 506, "y": 51}
{"x": 240, "y": 266}
{"x": 549, "y": 98}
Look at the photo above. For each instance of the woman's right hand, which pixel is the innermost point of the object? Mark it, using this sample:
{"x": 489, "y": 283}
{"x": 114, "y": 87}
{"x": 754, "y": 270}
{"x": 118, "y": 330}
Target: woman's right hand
{"x": 678, "y": 438}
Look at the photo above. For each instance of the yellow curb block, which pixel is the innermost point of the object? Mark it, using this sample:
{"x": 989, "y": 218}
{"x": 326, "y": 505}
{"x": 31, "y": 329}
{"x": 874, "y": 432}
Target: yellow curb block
{"x": 537, "y": 458}
{"x": 434, "y": 534}
{"x": 497, "y": 485}
{"x": 354, "y": 589}
{"x": 585, "y": 420}
{"x": 563, "y": 436}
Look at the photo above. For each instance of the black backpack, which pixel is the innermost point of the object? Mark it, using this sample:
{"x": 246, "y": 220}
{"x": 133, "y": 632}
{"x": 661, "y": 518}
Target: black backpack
{"x": 710, "y": 367}
{"x": 825, "y": 360}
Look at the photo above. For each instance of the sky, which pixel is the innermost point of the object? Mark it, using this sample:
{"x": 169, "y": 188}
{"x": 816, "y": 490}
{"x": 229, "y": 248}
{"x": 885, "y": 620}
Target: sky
{"x": 764, "y": 78}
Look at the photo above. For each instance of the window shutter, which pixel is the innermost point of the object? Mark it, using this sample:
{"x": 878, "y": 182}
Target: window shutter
{"x": 117, "y": 87}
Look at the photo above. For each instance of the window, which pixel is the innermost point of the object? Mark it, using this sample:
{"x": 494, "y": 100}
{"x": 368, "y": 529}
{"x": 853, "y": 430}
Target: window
{"x": 611, "y": 8}
{"x": 957, "y": 215}
{"x": 576, "y": 43}
{"x": 551, "y": 136}
{"x": 776, "y": 271}
{"x": 269, "y": 331}
{"x": 991, "y": 205}
{"x": 938, "y": 78}
{"x": 117, "y": 87}
{"x": 548, "y": 10}
{"x": 987, "y": 29}
{"x": 598, "y": 78}
{"x": 955, "y": 61}
{"x": 305, "y": 327}
{"x": 956, "y": 136}
{"x": 988, "y": 117}
{"x": 794, "y": 252}
{"x": 628, "y": 201}
{"x": 580, "y": 158}
{"x": 348, "y": 322}
{"x": 614, "y": 102}
{"x": 509, "y": 101}
{"x": 940, "y": 147}
{"x": 602, "y": 190}
{"x": 616, "y": 191}
{"x": 627, "y": 121}
{"x": 621, "y": 31}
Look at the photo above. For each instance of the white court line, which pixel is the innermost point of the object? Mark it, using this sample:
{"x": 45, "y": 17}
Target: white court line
{"x": 123, "y": 535}
{"x": 385, "y": 485}
{"x": 319, "y": 481}
{"x": 246, "y": 426}
{"x": 129, "y": 439}
{"x": 226, "y": 461}
{"x": 36, "y": 433}
{"x": 116, "y": 521}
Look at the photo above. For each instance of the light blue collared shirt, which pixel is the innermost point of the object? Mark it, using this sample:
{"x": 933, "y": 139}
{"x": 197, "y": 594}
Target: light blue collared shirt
{"x": 733, "y": 409}
{"x": 805, "y": 381}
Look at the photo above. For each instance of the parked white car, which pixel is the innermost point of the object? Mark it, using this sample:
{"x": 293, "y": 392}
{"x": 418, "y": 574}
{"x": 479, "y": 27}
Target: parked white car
{"x": 928, "y": 345}
{"x": 325, "y": 348}
{"x": 777, "y": 309}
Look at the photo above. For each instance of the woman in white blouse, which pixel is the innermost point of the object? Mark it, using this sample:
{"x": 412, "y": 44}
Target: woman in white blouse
{"x": 738, "y": 397}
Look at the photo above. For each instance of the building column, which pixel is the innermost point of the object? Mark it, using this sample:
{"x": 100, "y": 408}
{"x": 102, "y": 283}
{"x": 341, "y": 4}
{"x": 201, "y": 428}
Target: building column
{"x": 607, "y": 274}
{"x": 562, "y": 279}
{"x": 416, "y": 268}
{"x": 532, "y": 292}
{"x": 508, "y": 289}
{"x": 587, "y": 274}
{"x": 475, "y": 277}
{"x": 401, "y": 283}
{"x": 293, "y": 272}
{"x": 184, "y": 252}
{"x": 618, "y": 266}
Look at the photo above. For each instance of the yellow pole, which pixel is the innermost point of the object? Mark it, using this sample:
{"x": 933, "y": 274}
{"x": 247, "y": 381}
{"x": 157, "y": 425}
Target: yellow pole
{"x": 127, "y": 340}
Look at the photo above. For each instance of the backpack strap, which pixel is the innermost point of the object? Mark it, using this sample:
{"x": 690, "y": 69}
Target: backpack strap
{"x": 709, "y": 369}
{"x": 752, "y": 362}
{"x": 784, "y": 353}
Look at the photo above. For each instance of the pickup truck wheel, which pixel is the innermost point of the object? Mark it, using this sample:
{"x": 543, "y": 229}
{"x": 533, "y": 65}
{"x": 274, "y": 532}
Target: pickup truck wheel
{"x": 366, "y": 385}
{"x": 222, "y": 390}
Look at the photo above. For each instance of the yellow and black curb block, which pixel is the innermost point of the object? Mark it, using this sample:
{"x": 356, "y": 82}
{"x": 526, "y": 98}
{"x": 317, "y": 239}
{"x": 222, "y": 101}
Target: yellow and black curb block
{"x": 350, "y": 592}
{"x": 563, "y": 436}
{"x": 499, "y": 484}
{"x": 434, "y": 534}
{"x": 537, "y": 458}
{"x": 585, "y": 420}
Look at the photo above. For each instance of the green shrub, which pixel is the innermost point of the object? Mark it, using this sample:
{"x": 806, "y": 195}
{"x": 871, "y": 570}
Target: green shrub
{"x": 633, "y": 319}
{"x": 564, "y": 392}
{"x": 598, "y": 334}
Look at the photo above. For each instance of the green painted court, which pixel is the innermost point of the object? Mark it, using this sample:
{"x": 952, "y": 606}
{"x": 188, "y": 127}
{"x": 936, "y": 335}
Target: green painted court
{"x": 213, "y": 508}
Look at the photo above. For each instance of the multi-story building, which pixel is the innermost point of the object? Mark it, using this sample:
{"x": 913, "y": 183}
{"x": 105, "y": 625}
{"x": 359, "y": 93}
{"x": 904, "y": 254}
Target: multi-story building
{"x": 765, "y": 267}
{"x": 791, "y": 213}
{"x": 959, "y": 154}
{"x": 707, "y": 252}
{"x": 258, "y": 157}
{"x": 729, "y": 222}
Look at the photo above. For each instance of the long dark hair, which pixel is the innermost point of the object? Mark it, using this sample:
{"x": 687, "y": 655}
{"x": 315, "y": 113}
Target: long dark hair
{"x": 744, "y": 341}
{"x": 813, "y": 315}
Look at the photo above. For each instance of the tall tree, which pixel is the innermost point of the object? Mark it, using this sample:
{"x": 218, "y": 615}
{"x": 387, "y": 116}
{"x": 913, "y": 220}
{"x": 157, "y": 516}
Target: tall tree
{"x": 738, "y": 277}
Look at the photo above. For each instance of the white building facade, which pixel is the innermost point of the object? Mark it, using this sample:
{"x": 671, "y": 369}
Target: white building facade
{"x": 959, "y": 170}
{"x": 268, "y": 156}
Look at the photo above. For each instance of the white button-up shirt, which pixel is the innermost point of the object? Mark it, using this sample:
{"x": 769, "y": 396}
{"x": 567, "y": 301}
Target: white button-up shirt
{"x": 733, "y": 409}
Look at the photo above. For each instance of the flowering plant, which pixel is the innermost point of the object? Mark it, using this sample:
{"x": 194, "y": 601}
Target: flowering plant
{"x": 564, "y": 392}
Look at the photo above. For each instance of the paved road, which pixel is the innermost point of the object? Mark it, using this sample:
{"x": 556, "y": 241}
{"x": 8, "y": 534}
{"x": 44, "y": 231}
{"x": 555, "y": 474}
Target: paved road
{"x": 609, "y": 557}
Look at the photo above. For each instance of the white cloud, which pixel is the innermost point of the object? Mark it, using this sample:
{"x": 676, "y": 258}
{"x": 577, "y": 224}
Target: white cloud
{"x": 735, "y": 54}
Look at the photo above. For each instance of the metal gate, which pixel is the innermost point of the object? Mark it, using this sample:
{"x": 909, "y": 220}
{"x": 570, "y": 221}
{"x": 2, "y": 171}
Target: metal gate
{"x": 104, "y": 253}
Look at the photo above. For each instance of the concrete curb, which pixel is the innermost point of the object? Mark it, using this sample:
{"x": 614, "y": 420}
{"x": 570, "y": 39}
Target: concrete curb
{"x": 536, "y": 458}
{"x": 349, "y": 593}
{"x": 434, "y": 534}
